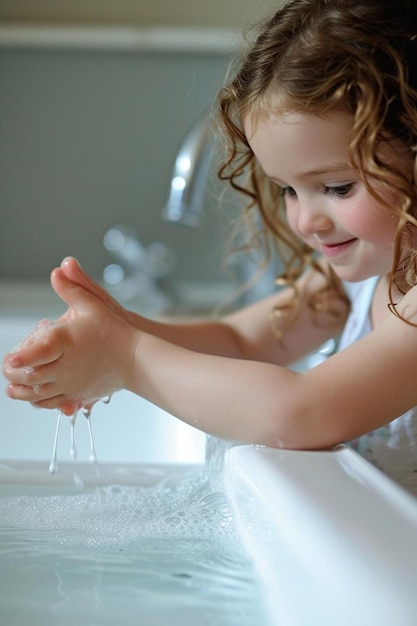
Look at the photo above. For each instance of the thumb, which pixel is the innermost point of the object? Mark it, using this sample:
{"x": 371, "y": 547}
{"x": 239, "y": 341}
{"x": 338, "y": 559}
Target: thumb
{"x": 71, "y": 293}
{"x": 74, "y": 272}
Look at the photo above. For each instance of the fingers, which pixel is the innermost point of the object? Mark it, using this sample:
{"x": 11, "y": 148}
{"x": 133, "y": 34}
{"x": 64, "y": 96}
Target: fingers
{"x": 38, "y": 396}
{"x": 31, "y": 384}
{"x": 30, "y": 376}
{"x": 69, "y": 407}
{"x": 31, "y": 393}
{"x": 31, "y": 370}
{"x": 46, "y": 349}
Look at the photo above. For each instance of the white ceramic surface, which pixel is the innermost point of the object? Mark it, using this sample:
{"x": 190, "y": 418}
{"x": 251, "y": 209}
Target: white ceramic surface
{"x": 333, "y": 539}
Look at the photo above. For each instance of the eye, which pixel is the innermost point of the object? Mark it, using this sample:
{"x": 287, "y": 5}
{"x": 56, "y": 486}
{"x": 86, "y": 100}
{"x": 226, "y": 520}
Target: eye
{"x": 288, "y": 191}
{"x": 340, "y": 191}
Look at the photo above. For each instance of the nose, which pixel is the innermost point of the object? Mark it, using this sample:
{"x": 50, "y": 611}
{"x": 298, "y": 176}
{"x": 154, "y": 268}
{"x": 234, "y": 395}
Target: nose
{"x": 312, "y": 217}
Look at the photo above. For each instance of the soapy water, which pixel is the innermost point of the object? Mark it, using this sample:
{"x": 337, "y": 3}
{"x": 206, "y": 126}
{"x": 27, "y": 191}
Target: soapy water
{"x": 182, "y": 506}
{"x": 163, "y": 555}
{"x": 42, "y": 326}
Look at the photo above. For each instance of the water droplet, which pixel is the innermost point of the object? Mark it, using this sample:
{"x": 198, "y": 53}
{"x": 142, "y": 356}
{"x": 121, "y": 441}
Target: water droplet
{"x": 93, "y": 455}
{"x": 54, "y": 461}
{"x": 73, "y": 447}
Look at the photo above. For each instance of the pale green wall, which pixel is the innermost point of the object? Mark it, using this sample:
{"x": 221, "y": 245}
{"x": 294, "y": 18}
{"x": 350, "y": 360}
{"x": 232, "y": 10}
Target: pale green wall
{"x": 88, "y": 137}
{"x": 196, "y": 12}
{"x": 88, "y": 140}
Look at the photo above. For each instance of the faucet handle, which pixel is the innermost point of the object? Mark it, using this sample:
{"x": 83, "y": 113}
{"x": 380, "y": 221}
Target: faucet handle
{"x": 125, "y": 246}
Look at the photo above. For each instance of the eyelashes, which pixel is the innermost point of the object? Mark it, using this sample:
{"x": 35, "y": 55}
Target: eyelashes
{"x": 287, "y": 191}
{"x": 339, "y": 191}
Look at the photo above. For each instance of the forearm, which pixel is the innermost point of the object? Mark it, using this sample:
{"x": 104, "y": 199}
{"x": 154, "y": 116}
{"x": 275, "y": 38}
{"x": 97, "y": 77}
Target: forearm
{"x": 205, "y": 336}
{"x": 234, "y": 399}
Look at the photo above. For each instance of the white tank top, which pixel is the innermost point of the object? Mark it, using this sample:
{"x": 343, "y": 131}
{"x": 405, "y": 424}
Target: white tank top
{"x": 391, "y": 448}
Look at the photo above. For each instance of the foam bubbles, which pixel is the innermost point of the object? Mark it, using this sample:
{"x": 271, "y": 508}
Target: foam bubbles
{"x": 185, "y": 507}
{"x": 39, "y": 329}
{"x": 170, "y": 549}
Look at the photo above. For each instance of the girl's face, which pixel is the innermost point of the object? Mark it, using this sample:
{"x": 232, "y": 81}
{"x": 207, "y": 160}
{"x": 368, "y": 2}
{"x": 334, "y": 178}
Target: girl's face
{"x": 327, "y": 205}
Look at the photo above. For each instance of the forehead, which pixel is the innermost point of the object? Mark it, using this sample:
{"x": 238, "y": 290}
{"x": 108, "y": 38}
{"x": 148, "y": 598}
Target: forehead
{"x": 290, "y": 142}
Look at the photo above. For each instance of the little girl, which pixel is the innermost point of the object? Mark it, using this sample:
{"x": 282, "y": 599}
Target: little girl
{"x": 322, "y": 118}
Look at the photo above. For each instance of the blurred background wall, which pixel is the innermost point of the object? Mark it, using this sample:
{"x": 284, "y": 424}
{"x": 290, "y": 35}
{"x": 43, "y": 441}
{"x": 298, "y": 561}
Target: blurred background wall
{"x": 91, "y": 120}
{"x": 235, "y": 13}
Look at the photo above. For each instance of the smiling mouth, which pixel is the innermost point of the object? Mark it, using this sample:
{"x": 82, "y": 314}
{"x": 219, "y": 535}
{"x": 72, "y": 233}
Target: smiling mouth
{"x": 333, "y": 249}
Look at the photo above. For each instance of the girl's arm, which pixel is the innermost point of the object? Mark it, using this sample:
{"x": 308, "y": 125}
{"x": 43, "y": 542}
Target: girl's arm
{"x": 360, "y": 389}
{"x": 245, "y": 396}
{"x": 353, "y": 392}
{"x": 246, "y": 334}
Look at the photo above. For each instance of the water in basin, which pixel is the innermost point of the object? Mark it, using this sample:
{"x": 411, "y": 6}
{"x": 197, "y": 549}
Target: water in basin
{"x": 165, "y": 554}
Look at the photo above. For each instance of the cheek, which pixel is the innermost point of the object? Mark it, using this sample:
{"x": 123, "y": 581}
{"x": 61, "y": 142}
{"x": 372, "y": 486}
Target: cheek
{"x": 384, "y": 227}
{"x": 371, "y": 222}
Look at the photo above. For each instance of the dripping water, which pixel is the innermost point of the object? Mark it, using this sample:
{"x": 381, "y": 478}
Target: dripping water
{"x": 86, "y": 411}
{"x": 54, "y": 462}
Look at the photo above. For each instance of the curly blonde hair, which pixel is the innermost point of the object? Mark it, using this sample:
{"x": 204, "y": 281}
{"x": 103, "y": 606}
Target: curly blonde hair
{"x": 313, "y": 56}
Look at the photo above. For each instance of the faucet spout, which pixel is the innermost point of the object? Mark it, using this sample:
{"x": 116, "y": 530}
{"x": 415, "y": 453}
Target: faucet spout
{"x": 189, "y": 176}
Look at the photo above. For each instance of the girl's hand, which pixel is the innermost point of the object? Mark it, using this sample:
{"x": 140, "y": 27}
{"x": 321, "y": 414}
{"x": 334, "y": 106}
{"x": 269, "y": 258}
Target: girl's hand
{"x": 74, "y": 273}
{"x": 85, "y": 356}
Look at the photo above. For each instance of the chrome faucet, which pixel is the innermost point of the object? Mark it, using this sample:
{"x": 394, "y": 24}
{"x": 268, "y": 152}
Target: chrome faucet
{"x": 189, "y": 180}
{"x": 140, "y": 272}
{"x": 189, "y": 175}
